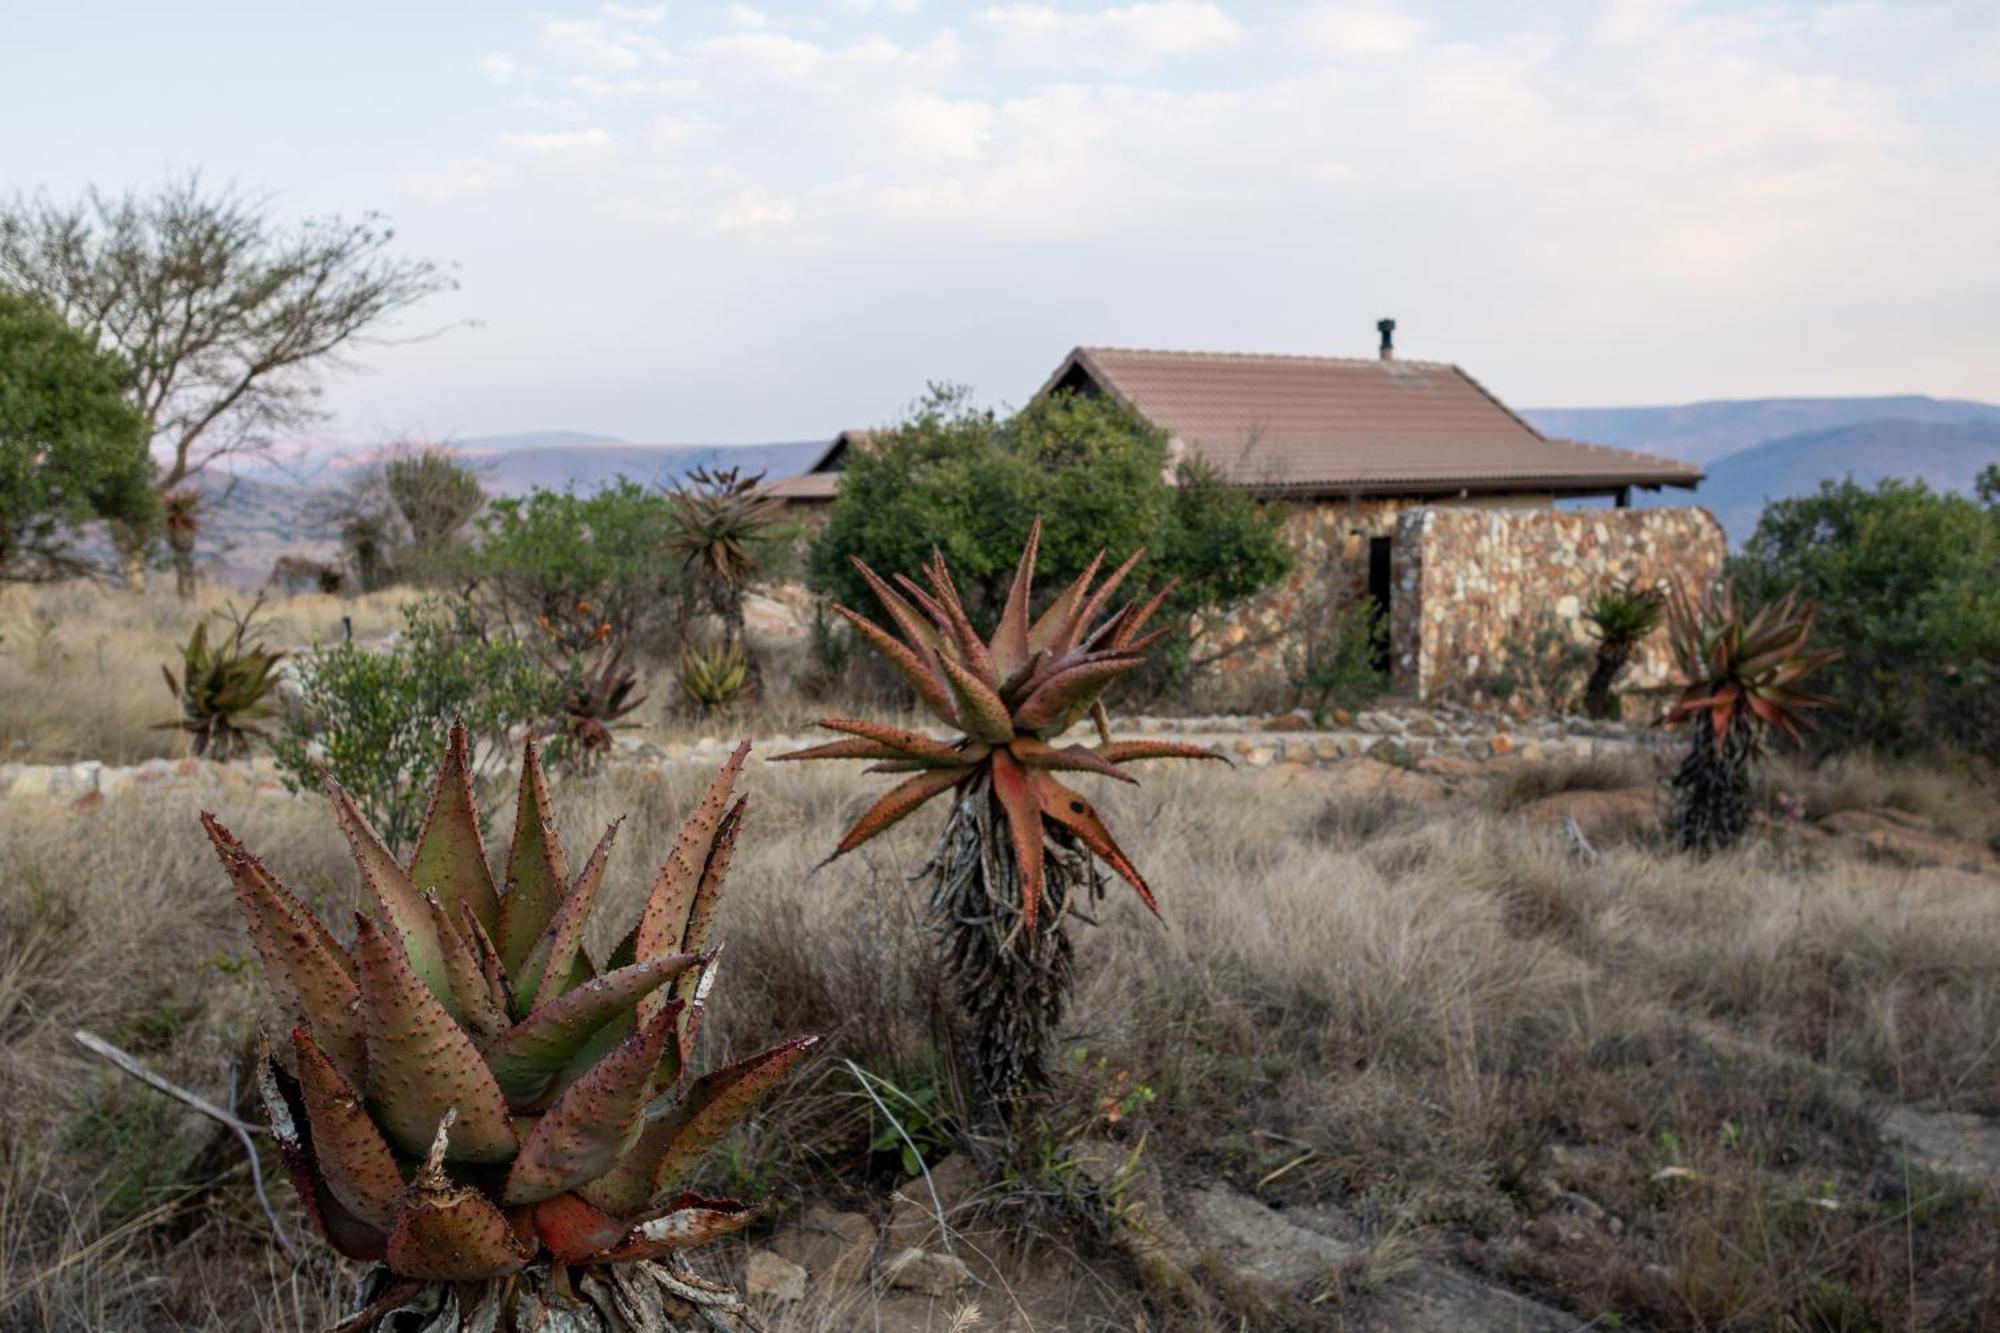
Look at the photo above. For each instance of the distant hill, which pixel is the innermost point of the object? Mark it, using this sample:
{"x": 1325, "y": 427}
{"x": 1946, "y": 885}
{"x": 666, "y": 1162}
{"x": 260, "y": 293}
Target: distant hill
{"x": 1703, "y": 432}
{"x": 1948, "y": 456}
{"x": 519, "y": 468}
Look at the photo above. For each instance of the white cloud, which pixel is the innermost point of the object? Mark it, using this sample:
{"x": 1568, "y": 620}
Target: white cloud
{"x": 1124, "y": 38}
{"x": 500, "y": 67}
{"x": 600, "y": 46}
{"x": 588, "y": 142}
{"x": 1364, "y": 30}
{"x": 870, "y": 6}
{"x": 647, "y": 14}
{"x": 600, "y": 88}
{"x": 743, "y": 16}
{"x": 460, "y": 180}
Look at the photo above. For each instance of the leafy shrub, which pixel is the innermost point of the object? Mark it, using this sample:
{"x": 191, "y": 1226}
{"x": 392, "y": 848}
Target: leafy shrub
{"x": 542, "y": 556}
{"x": 1538, "y": 671}
{"x": 968, "y": 483}
{"x": 370, "y": 719}
{"x": 224, "y": 688}
{"x": 1908, "y": 582}
{"x": 1335, "y": 666}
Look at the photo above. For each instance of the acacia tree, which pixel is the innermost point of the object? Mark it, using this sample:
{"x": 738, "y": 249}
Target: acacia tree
{"x": 72, "y": 449}
{"x": 227, "y": 317}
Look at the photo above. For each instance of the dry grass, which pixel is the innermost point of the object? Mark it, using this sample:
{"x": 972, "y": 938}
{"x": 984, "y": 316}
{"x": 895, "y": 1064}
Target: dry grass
{"x": 80, "y": 662}
{"x": 1459, "y": 1025}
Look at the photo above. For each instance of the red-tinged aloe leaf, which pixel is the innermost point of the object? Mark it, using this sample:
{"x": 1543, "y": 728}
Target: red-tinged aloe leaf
{"x": 1033, "y": 753}
{"x": 1018, "y": 801}
{"x": 852, "y": 748}
{"x": 545, "y": 973}
{"x": 594, "y": 1122}
{"x": 575, "y": 1230}
{"x": 911, "y": 744}
{"x": 1058, "y": 701}
{"x": 537, "y": 873}
{"x": 716, "y": 1103}
{"x": 1130, "y": 624}
{"x": 395, "y": 897}
{"x": 451, "y": 856}
{"x": 471, "y": 993}
{"x": 353, "y": 1158}
{"x": 664, "y": 921}
{"x": 1062, "y": 806}
{"x": 922, "y": 679}
{"x": 452, "y": 1233}
{"x": 1010, "y": 636}
{"x": 1126, "y": 752}
{"x": 902, "y": 766}
{"x": 1025, "y": 677}
{"x": 532, "y": 1052}
{"x": 285, "y": 1109}
{"x": 490, "y": 966}
{"x": 421, "y": 1063}
{"x": 897, "y": 803}
{"x": 701, "y": 912}
{"x": 690, "y": 1220}
{"x": 310, "y": 974}
{"x": 920, "y": 636}
{"x": 1048, "y": 627}
{"x": 980, "y": 710}
{"x": 940, "y": 619}
{"x": 972, "y": 653}
{"x": 1087, "y": 611}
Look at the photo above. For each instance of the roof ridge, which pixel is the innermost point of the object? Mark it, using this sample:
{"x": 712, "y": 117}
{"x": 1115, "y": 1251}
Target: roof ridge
{"x": 1274, "y": 356}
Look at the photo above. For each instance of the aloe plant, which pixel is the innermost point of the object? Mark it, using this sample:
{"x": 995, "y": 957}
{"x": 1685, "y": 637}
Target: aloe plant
{"x": 225, "y": 688}
{"x": 1021, "y": 850}
{"x": 500, "y": 1122}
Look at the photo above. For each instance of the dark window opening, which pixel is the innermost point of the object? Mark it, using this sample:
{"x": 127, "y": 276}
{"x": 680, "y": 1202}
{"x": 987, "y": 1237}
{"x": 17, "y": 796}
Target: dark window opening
{"x": 1379, "y": 586}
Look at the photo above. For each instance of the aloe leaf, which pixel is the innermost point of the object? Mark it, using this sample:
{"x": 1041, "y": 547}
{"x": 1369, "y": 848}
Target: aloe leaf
{"x": 980, "y": 710}
{"x": 285, "y": 1109}
{"x": 451, "y": 1233}
{"x": 1055, "y": 617}
{"x": 421, "y": 1063}
{"x": 690, "y": 1220}
{"x": 1039, "y": 754}
{"x": 1059, "y": 700}
{"x": 896, "y": 804}
{"x": 1018, "y": 802}
{"x": 451, "y": 854}
{"x": 532, "y": 1052}
{"x": 716, "y": 1103}
{"x": 395, "y": 897}
{"x": 1062, "y": 806}
{"x": 472, "y": 995}
{"x": 545, "y": 973}
{"x": 922, "y": 679}
{"x": 1010, "y": 636}
{"x": 352, "y": 1156}
{"x": 595, "y": 1119}
{"x": 575, "y": 1230}
{"x": 663, "y": 923}
{"x": 537, "y": 874}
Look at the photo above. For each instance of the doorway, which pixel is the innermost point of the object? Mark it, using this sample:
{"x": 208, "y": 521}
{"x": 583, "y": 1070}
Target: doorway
{"x": 1379, "y": 586}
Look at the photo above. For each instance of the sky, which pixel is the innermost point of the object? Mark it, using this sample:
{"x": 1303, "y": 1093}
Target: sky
{"x": 691, "y": 222}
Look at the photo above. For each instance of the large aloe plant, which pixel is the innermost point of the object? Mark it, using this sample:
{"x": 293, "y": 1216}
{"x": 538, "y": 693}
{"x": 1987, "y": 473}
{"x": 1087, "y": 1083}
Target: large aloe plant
{"x": 468, "y": 1100}
{"x": 1020, "y": 847}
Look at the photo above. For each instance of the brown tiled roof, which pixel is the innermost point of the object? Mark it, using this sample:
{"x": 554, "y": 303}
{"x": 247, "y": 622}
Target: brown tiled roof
{"x": 1304, "y": 424}
{"x": 805, "y": 486}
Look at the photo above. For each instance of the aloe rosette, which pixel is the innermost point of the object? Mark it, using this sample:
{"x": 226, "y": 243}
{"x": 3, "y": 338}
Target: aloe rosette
{"x": 466, "y": 1098}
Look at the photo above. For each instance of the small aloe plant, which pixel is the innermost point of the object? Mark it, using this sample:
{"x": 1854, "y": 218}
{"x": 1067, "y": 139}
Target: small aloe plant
{"x": 224, "y": 689}
{"x": 466, "y": 1098}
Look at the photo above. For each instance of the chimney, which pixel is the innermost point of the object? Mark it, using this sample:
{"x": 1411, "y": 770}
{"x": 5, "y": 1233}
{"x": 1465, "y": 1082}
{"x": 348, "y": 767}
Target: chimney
{"x": 1387, "y": 328}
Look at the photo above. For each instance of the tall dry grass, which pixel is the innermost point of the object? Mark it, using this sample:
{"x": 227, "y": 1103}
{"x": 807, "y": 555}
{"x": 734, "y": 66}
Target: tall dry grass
{"x": 1439, "y": 1022}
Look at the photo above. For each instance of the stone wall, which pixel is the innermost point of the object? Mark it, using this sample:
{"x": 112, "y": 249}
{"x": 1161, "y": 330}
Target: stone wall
{"x": 1468, "y": 583}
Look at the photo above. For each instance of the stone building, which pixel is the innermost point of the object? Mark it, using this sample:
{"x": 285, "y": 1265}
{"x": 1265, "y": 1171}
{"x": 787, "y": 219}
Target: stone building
{"x": 1404, "y": 481}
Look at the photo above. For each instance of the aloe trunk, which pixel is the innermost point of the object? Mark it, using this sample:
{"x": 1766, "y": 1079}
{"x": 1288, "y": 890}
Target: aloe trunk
{"x": 631, "y": 1298}
{"x": 1711, "y": 788}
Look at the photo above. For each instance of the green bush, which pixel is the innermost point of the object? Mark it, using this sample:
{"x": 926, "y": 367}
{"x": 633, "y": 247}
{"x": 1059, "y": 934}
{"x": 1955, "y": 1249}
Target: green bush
{"x": 543, "y": 556}
{"x": 1336, "y": 664}
{"x": 1908, "y": 583}
{"x": 374, "y": 719}
{"x": 969, "y": 483}
{"x": 1540, "y": 670}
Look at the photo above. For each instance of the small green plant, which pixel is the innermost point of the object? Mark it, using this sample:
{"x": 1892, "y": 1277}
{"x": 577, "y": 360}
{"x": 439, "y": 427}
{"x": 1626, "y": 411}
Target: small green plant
{"x": 368, "y": 718}
{"x": 224, "y": 688}
{"x": 712, "y": 677}
{"x": 1619, "y": 618}
{"x": 1538, "y": 670}
{"x": 1335, "y": 665}
{"x": 1741, "y": 681}
{"x": 598, "y": 693}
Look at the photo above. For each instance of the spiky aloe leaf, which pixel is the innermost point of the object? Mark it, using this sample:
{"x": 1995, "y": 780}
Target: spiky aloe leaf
{"x": 595, "y": 1120}
{"x": 690, "y": 1220}
{"x": 1049, "y": 626}
{"x": 1062, "y": 698}
{"x": 898, "y": 803}
{"x": 471, "y": 993}
{"x": 920, "y": 636}
{"x": 1034, "y": 753}
{"x": 537, "y": 874}
{"x": 672, "y": 1145}
{"x": 908, "y": 744}
{"x": 1126, "y": 752}
{"x": 452, "y": 1233}
{"x": 310, "y": 973}
{"x": 421, "y": 1063}
{"x": 574, "y": 1230}
{"x": 490, "y": 966}
{"x": 286, "y": 1111}
{"x": 972, "y": 651}
{"x": 663, "y": 924}
{"x": 851, "y": 748}
{"x": 532, "y": 1052}
{"x": 1010, "y": 637}
{"x": 352, "y": 1156}
{"x": 545, "y": 973}
{"x": 451, "y": 856}
{"x": 1086, "y": 612}
{"x": 929, "y": 687}
{"x": 395, "y": 897}
{"x": 981, "y": 711}
{"x": 1018, "y": 801}
{"x": 1069, "y": 809}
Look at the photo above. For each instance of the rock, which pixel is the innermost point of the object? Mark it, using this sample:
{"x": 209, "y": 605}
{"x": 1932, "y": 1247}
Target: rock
{"x": 1259, "y": 756}
{"x": 1435, "y": 1298}
{"x": 926, "y": 1271}
{"x": 1298, "y": 752}
{"x": 1598, "y": 814}
{"x": 115, "y": 781}
{"x": 773, "y": 1280}
{"x": 32, "y": 780}
{"x": 1379, "y": 724}
{"x": 835, "y": 1248}
{"x": 1342, "y": 718}
{"x": 1948, "y": 1143}
{"x": 1451, "y": 766}
{"x": 1296, "y": 720}
{"x": 1257, "y": 1249}
{"x": 1894, "y": 839}
{"x": 913, "y": 1211}
{"x": 1502, "y": 743}
{"x": 1326, "y": 749}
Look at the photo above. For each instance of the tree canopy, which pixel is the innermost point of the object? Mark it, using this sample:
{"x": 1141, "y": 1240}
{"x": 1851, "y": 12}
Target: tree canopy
{"x": 969, "y": 482}
{"x": 72, "y": 447}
